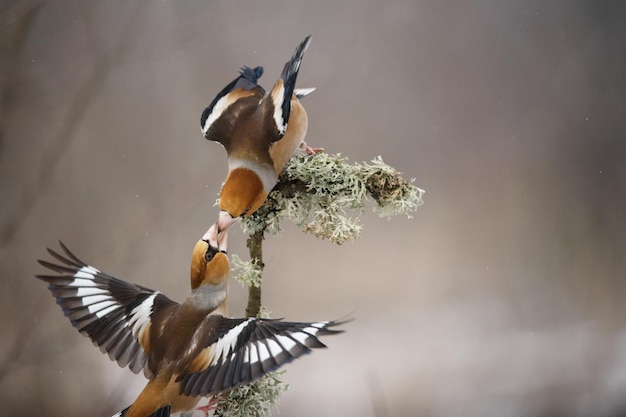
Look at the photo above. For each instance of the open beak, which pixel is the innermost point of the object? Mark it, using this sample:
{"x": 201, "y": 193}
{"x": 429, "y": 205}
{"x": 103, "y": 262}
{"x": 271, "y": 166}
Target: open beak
{"x": 224, "y": 221}
{"x": 217, "y": 235}
{"x": 211, "y": 236}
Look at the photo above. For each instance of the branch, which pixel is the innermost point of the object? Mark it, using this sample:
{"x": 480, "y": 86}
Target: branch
{"x": 16, "y": 22}
{"x": 317, "y": 192}
{"x": 252, "y": 400}
{"x": 64, "y": 136}
{"x": 255, "y": 245}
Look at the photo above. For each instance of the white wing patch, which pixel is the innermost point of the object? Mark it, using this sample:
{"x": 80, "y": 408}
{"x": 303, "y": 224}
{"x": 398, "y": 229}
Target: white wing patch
{"x": 286, "y": 342}
{"x": 140, "y": 316}
{"x": 311, "y": 330}
{"x": 103, "y": 310}
{"x": 87, "y": 272}
{"x": 95, "y": 299}
{"x": 84, "y": 277}
{"x": 225, "y": 345}
{"x": 261, "y": 346}
{"x": 277, "y": 99}
{"x": 274, "y": 348}
{"x": 219, "y": 108}
{"x": 300, "y": 337}
{"x": 264, "y": 353}
{"x": 88, "y": 291}
{"x": 98, "y": 306}
{"x": 254, "y": 354}
{"x": 264, "y": 349}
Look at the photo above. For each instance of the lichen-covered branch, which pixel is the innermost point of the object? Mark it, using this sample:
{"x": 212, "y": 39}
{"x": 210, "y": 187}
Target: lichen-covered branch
{"x": 255, "y": 245}
{"x": 253, "y": 400}
{"x": 324, "y": 195}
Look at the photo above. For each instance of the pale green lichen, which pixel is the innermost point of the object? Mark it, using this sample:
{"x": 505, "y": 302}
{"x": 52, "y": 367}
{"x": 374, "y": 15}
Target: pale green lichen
{"x": 393, "y": 194}
{"x": 251, "y": 272}
{"x": 252, "y": 400}
{"x": 264, "y": 313}
{"x": 324, "y": 196}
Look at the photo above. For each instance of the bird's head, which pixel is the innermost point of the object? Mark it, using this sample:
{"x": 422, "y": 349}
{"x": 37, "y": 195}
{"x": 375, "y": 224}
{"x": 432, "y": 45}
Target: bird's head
{"x": 209, "y": 265}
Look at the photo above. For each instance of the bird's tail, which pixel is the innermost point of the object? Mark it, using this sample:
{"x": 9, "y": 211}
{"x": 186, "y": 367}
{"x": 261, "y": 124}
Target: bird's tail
{"x": 290, "y": 71}
{"x": 161, "y": 412}
{"x": 303, "y": 92}
{"x": 283, "y": 90}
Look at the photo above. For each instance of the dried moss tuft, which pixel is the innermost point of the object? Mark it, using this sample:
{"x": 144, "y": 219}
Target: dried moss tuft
{"x": 252, "y": 400}
{"x": 324, "y": 196}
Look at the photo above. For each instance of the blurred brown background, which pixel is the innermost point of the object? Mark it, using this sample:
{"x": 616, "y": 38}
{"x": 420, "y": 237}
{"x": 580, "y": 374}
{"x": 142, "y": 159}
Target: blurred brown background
{"x": 504, "y": 295}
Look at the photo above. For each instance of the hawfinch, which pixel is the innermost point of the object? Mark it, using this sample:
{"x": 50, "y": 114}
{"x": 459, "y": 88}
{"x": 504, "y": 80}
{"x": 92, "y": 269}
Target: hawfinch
{"x": 260, "y": 131}
{"x": 186, "y": 350}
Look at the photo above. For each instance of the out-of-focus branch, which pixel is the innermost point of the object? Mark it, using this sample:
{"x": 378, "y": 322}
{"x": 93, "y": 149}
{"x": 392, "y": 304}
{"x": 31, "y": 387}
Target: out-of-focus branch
{"x": 15, "y": 342}
{"x": 15, "y": 23}
{"x": 76, "y": 110}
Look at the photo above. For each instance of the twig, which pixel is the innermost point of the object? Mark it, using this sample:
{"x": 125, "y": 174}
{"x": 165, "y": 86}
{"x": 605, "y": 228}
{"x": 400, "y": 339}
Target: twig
{"x": 255, "y": 245}
{"x": 318, "y": 193}
{"x": 64, "y": 136}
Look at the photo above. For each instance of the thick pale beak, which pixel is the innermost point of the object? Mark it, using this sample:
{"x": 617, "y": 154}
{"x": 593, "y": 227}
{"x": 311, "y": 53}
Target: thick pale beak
{"x": 224, "y": 221}
{"x": 211, "y": 237}
{"x": 217, "y": 235}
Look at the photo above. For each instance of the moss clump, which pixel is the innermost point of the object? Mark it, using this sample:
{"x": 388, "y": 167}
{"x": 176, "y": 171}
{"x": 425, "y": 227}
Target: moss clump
{"x": 252, "y": 400}
{"x": 251, "y": 272}
{"x": 324, "y": 195}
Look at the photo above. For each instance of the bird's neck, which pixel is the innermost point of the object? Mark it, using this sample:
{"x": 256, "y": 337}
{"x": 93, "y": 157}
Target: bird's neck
{"x": 264, "y": 171}
{"x": 206, "y": 297}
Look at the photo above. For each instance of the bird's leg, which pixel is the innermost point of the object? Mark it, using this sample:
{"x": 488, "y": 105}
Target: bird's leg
{"x": 208, "y": 407}
{"x": 310, "y": 151}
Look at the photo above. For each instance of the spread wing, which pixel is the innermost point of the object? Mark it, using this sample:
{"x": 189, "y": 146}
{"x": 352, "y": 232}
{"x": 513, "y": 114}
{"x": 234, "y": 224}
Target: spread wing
{"x": 114, "y": 314}
{"x": 236, "y": 100}
{"x": 238, "y": 351}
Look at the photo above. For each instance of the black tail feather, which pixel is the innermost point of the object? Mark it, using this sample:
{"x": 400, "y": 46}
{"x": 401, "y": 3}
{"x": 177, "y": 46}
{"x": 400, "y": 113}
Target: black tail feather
{"x": 290, "y": 74}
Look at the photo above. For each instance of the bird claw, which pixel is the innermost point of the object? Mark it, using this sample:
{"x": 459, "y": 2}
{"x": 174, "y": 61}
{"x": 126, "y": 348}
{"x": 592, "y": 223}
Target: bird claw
{"x": 309, "y": 150}
{"x": 210, "y": 406}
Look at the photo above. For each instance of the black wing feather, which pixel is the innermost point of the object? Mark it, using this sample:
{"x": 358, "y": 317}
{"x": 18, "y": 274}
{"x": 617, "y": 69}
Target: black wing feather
{"x": 246, "y": 349}
{"x": 111, "y": 312}
{"x": 220, "y": 128}
{"x": 290, "y": 74}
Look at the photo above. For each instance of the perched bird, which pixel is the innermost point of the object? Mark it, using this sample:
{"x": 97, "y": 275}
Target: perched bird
{"x": 186, "y": 350}
{"x": 260, "y": 132}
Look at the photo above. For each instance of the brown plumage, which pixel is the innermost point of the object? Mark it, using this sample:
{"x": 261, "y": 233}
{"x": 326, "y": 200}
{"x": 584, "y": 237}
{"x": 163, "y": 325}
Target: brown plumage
{"x": 186, "y": 350}
{"x": 260, "y": 132}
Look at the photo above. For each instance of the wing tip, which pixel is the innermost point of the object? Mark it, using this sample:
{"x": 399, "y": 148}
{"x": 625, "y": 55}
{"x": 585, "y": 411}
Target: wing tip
{"x": 290, "y": 71}
{"x": 340, "y": 322}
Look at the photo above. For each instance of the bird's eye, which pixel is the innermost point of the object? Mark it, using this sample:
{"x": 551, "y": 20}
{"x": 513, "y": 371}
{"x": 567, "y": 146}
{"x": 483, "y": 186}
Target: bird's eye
{"x": 210, "y": 253}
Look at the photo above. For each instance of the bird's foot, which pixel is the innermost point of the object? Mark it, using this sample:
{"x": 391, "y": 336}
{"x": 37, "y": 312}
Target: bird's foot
{"x": 208, "y": 407}
{"x": 310, "y": 151}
